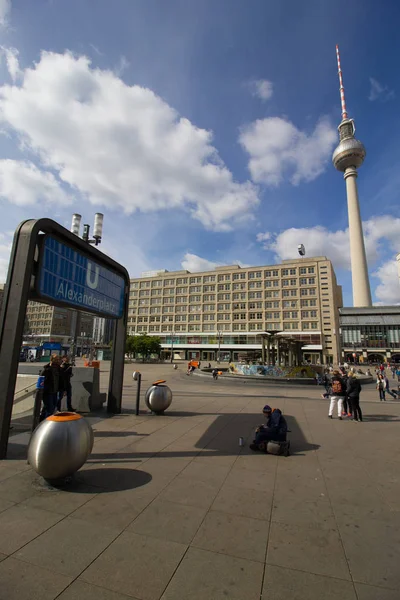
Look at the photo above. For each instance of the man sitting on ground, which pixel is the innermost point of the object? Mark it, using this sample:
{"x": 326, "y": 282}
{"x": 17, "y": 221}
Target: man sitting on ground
{"x": 275, "y": 428}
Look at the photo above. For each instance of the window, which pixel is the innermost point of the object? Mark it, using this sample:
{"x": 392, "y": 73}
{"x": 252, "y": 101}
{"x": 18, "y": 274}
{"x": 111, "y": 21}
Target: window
{"x": 258, "y": 274}
{"x": 252, "y": 275}
{"x": 305, "y": 314}
{"x": 169, "y": 282}
{"x": 208, "y": 307}
{"x": 314, "y": 325}
{"x": 194, "y": 308}
{"x": 194, "y": 298}
{"x": 253, "y": 305}
{"x": 311, "y": 280}
{"x": 181, "y": 290}
{"x": 302, "y": 270}
{"x": 313, "y": 291}
{"x": 311, "y": 270}
{"x": 208, "y": 278}
{"x": 181, "y": 280}
{"x": 292, "y": 272}
{"x": 276, "y": 283}
{"x": 285, "y": 293}
{"x": 209, "y": 288}
{"x": 223, "y": 307}
{"x": 306, "y": 325}
{"x": 268, "y": 283}
{"x": 242, "y": 305}
{"x": 313, "y": 302}
{"x": 303, "y": 292}
{"x": 181, "y": 299}
{"x": 180, "y": 318}
{"x": 285, "y": 282}
{"x": 293, "y": 282}
{"x": 224, "y": 296}
{"x": 194, "y": 317}
{"x": 224, "y": 286}
{"x": 293, "y": 292}
{"x": 209, "y": 317}
{"x": 208, "y": 297}
{"x": 235, "y": 276}
{"x": 194, "y": 288}
{"x": 275, "y": 273}
{"x": 285, "y": 272}
{"x": 313, "y": 313}
{"x": 195, "y": 280}
{"x": 277, "y": 315}
{"x": 303, "y": 280}
{"x": 267, "y": 273}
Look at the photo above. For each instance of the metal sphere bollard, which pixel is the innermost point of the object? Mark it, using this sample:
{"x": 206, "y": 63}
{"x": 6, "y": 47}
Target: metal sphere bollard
{"x": 60, "y": 446}
{"x": 158, "y": 397}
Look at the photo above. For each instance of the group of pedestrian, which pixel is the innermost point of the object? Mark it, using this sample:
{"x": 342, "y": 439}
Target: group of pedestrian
{"x": 57, "y": 384}
{"x": 344, "y": 390}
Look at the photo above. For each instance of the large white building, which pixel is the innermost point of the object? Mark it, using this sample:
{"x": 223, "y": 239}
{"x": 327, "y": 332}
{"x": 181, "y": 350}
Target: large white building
{"x": 226, "y": 312}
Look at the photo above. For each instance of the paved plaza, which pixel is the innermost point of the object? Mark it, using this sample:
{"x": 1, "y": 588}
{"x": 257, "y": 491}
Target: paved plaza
{"x": 172, "y": 508}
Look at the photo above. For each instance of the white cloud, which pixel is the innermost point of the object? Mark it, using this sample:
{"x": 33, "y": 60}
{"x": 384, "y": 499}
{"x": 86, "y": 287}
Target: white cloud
{"x": 121, "y": 146}
{"x": 12, "y": 62}
{"x": 262, "y": 89}
{"x": 278, "y": 149}
{"x": 379, "y": 91}
{"x": 23, "y": 184}
{"x": 388, "y": 291}
{"x": 194, "y": 263}
{"x": 335, "y": 245}
{"x": 5, "y": 7}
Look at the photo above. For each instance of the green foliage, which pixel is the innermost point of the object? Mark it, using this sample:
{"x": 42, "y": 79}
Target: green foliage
{"x": 145, "y": 345}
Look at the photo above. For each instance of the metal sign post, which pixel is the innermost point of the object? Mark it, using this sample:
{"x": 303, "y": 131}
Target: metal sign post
{"x": 50, "y": 264}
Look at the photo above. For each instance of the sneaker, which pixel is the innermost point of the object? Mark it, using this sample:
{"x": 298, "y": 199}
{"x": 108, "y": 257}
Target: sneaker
{"x": 253, "y": 447}
{"x": 344, "y": 414}
{"x": 341, "y": 418}
{"x": 349, "y": 415}
{"x": 330, "y": 417}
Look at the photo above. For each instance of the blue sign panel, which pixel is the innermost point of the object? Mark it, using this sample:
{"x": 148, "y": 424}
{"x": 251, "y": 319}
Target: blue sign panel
{"x": 70, "y": 277}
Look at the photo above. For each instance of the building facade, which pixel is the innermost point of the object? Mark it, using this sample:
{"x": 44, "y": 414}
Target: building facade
{"x": 370, "y": 334}
{"x": 224, "y": 313}
{"x": 45, "y": 323}
{"x": 103, "y": 330}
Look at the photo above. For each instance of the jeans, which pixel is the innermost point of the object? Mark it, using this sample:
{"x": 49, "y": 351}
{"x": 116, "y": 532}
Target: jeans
{"x": 68, "y": 392}
{"x": 355, "y": 403}
{"x": 382, "y": 395}
{"x": 49, "y": 405}
{"x": 339, "y": 400}
{"x": 265, "y": 435}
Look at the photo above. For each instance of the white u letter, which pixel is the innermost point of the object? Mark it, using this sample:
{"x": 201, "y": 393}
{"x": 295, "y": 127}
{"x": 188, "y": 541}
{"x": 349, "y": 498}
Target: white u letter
{"x": 92, "y": 284}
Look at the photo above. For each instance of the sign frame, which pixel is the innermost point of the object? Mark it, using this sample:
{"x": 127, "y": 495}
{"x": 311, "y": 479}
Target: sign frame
{"x": 20, "y": 287}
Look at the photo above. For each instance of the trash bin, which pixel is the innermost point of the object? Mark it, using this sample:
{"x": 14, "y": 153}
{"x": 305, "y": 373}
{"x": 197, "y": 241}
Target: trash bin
{"x": 158, "y": 397}
{"x": 60, "y": 446}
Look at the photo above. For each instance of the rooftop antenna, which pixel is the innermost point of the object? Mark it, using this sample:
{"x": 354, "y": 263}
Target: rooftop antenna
{"x": 341, "y": 88}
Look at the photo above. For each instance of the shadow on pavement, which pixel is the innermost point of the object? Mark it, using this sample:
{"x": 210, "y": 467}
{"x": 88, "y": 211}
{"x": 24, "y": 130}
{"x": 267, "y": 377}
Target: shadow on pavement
{"x": 381, "y": 418}
{"x": 108, "y": 479}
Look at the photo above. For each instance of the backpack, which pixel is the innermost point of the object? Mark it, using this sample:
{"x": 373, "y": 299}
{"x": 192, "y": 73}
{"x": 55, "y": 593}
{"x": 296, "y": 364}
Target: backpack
{"x": 337, "y": 387}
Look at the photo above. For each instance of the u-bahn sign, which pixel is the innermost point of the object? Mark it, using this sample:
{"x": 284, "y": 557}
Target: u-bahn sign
{"x": 70, "y": 278}
{"x": 52, "y": 265}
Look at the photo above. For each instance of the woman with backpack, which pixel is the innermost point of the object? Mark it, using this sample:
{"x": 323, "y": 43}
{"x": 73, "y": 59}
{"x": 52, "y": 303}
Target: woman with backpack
{"x": 353, "y": 396}
{"x": 338, "y": 394}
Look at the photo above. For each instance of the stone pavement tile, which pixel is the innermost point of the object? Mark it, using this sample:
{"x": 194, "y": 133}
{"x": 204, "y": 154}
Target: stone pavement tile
{"x": 20, "y": 486}
{"x": 210, "y": 473}
{"x": 256, "y": 461}
{"x": 3, "y": 556}
{"x": 21, "y": 524}
{"x": 368, "y": 592}
{"x": 242, "y": 537}
{"x": 313, "y": 513}
{"x": 5, "y": 504}
{"x": 191, "y": 492}
{"x": 9, "y": 469}
{"x": 214, "y": 576}
{"x": 372, "y": 548}
{"x": 119, "y": 509}
{"x": 62, "y": 502}
{"x": 169, "y": 521}
{"x": 250, "y": 480}
{"x": 79, "y": 590}
{"x": 69, "y": 547}
{"x": 245, "y": 502}
{"x": 22, "y": 581}
{"x": 307, "y": 549}
{"x": 209, "y": 456}
{"x": 281, "y": 584}
{"x": 136, "y": 565}
{"x": 358, "y": 501}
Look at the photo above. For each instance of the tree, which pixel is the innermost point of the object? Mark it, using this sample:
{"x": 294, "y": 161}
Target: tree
{"x": 145, "y": 345}
{"x": 130, "y": 345}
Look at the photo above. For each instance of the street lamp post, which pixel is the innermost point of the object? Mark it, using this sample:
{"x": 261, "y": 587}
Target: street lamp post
{"x": 97, "y": 237}
{"x": 172, "y": 346}
{"x": 219, "y": 346}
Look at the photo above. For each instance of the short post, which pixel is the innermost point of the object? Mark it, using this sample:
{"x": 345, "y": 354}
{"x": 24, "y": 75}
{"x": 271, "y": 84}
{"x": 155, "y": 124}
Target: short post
{"x": 137, "y": 376}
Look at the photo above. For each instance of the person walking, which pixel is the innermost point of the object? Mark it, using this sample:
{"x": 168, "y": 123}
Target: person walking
{"x": 387, "y": 387}
{"x": 380, "y": 386}
{"x": 393, "y": 369}
{"x": 215, "y": 374}
{"x": 338, "y": 393}
{"x": 51, "y": 386}
{"x": 65, "y": 384}
{"x": 353, "y": 396}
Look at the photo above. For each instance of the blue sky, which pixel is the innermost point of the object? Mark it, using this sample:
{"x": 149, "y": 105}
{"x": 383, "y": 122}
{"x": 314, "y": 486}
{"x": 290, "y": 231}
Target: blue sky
{"x": 203, "y": 130}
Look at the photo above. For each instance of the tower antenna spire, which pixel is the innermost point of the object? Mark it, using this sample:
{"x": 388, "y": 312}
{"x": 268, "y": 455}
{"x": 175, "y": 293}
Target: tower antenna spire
{"x": 341, "y": 88}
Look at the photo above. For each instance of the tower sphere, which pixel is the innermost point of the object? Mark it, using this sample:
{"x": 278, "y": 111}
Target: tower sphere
{"x": 349, "y": 153}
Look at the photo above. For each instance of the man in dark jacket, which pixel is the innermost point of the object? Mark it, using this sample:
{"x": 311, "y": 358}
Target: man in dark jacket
{"x": 51, "y": 386}
{"x": 353, "y": 396}
{"x": 275, "y": 428}
{"x": 65, "y": 384}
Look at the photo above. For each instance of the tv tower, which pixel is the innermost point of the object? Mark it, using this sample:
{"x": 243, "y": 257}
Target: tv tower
{"x": 348, "y": 156}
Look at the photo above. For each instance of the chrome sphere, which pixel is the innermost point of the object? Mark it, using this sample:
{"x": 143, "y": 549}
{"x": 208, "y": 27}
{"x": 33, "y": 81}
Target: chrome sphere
{"x": 60, "y": 446}
{"x": 158, "y": 398}
{"x": 349, "y": 153}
